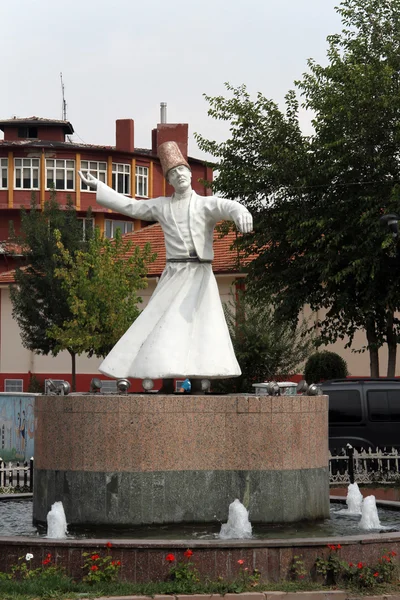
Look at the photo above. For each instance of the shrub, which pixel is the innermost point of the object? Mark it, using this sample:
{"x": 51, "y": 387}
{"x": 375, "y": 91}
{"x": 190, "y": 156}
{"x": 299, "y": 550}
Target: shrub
{"x": 325, "y": 365}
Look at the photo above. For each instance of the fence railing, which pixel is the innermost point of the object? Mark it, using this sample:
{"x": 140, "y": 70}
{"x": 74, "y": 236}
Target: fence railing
{"x": 16, "y": 477}
{"x": 365, "y": 466}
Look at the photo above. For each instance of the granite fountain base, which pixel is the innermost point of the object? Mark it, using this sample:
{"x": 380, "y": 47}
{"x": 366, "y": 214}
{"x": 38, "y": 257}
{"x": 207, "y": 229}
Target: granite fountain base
{"x": 126, "y": 460}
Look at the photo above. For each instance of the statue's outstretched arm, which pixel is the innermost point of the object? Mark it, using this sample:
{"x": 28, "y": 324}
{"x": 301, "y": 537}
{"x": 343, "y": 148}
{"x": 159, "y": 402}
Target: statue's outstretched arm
{"x": 106, "y": 196}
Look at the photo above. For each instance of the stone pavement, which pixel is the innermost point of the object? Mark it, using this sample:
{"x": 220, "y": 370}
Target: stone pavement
{"x": 311, "y": 595}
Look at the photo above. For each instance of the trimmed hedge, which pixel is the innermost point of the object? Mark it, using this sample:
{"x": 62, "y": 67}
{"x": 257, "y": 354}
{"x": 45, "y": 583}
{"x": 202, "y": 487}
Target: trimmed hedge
{"x": 325, "y": 365}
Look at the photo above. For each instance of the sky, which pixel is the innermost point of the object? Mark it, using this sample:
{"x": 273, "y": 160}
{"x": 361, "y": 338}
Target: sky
{"x": 120, "y": 59}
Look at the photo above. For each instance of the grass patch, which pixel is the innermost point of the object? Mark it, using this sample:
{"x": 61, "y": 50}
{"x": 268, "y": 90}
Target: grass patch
{"x": 60, "y": 587}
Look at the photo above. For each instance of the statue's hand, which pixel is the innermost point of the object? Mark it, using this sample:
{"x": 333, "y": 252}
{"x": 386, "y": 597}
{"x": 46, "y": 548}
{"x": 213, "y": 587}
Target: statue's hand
{"x": 245, "y": 222}
{"x": 89, "y": 180}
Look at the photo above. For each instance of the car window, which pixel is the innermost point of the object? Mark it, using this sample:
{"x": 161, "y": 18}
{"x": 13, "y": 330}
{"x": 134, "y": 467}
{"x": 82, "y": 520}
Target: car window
{"x": 394, "y": 404}
{"x": 378, "y": 408}
{"x": 384, "y": 405}
{"x": 344, "y": 406}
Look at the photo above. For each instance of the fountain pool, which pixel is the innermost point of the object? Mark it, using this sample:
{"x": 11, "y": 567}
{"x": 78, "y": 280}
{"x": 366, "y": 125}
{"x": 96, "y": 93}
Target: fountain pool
{"x": 143, "y": 550}
{"x": 16, "y": 520}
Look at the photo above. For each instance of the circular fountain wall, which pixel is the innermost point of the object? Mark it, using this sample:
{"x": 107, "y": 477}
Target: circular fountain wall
{"x": 144, "y": 459}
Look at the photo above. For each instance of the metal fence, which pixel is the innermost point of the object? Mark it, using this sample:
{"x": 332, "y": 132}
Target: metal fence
{"x": 365, "y": 466}
{"x": 16, "y": 477}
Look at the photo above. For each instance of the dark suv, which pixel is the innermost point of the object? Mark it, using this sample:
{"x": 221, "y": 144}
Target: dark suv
{"x": 363, "y": 412}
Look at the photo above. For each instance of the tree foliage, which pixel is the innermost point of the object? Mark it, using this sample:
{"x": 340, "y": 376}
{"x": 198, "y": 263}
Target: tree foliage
{"x": 38, "y": 298}
{"x": 265, "y": 347}
{"x": 317, "y": 199}
{"x": 99, "y": 285}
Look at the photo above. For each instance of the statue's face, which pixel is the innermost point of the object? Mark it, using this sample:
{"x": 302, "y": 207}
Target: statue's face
{"x": 180, "y": 178}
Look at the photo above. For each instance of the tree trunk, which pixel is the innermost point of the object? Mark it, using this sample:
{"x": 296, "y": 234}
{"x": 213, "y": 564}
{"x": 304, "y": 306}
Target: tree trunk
{"x": 73, "y": 371}
{"x": 373, "y": 349}
{"x": 392, "y": 346}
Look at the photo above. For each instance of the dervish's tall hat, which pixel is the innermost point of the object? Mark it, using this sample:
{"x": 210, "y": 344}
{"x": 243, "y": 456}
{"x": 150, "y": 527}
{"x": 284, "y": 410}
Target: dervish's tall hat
{"x": 170, "y": 156}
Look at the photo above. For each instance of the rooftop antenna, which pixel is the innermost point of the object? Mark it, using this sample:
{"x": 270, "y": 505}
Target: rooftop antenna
{"x": 64, "y": 104}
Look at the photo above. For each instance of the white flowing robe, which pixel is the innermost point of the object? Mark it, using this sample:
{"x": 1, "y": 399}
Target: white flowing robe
{"x": 182, "y": 332}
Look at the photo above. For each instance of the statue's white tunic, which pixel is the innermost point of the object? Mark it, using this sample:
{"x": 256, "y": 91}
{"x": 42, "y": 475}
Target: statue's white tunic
{"x": 182, "y": 332}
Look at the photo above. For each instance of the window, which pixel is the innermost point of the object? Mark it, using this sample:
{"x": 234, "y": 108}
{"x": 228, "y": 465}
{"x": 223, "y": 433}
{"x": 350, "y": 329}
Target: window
{"x": 121, "y": 178}
{"x": 142, "y": 181}
{"x": 344, "y": 406}
{"x": 27, "y": 132}
{"x": 384, "y": 405}
{"x": 60, "y": 174}
{"x": 111, "y": 227}
{"x": 27, "y": 173}
{"x": 97, "y": 169}
{"x": 3, "y": 173}
{"x": 13, "y": 385}
{"x": 87, "y": 226}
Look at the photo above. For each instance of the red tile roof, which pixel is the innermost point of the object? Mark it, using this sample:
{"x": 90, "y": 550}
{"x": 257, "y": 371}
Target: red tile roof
{"x": 8, "y": 276}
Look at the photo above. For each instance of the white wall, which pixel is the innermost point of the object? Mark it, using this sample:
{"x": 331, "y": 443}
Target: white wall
{"x": 357, "y": 363}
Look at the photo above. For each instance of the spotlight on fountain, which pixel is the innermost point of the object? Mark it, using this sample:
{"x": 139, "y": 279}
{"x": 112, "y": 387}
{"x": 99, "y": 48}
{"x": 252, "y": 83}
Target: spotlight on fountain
{"x": 57, "y": 388}
{"x": 51, "y": 387}
{"x": 64, "y": 388}
{"x": 273, "y": 389}
{"x": 314, "y": 390}
{"x": 147, "y": 384}
{"x": 123, "y": 385}
{"x": 205, "y": 385}
{"x": 302, "y": 387}
{"x": 95, "y": 385}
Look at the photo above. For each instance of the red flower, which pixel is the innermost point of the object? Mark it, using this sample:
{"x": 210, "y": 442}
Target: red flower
{"x": 170, "y": 557}
{"x": 188, "y": 553}
{"x": 109, "y": 545}
{"x": 301, "y": 576}
{"x": 94, "y": 568}
{"x": 360, "y": 565}
{"x": 116, "y": 563}
{"x": 94, "y": 557}
{"x": 49, "y": 555}
{"x": 351, "y": 565}
{"x": 376, "y": 574}
{"x": 46, "y": 561}
{"x": 393, "y": 553}
{"x": 240, "y": 561}
{"x": 338, "y": 547}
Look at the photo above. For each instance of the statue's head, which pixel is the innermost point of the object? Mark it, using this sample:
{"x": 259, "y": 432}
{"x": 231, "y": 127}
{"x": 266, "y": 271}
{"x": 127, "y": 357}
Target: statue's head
{"x": 175, "y": 168}
{"x": 180, "y": 178}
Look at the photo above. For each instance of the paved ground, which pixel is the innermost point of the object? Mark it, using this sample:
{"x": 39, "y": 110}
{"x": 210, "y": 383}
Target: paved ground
{"x": 319, "y": 595}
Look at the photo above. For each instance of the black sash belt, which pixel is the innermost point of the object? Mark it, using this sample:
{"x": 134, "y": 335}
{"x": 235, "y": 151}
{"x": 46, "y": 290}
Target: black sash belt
{"x": 195, "y": 259}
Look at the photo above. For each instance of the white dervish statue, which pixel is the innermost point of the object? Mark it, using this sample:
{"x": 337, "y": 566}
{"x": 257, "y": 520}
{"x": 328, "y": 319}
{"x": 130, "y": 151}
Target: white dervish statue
{"x": 182, "y": 332}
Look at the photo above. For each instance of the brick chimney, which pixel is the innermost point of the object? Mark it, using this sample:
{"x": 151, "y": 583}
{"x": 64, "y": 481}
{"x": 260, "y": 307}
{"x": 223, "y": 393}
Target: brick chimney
{"x": 124, "y": 135}
{"x": 171, "y": 132}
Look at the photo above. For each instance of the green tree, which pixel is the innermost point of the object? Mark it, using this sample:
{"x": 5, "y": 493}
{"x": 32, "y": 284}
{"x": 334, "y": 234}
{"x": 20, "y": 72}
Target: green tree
{"x": 99, "y": 285}
{"x": 266, "y": 348}
{"x": 317, "y": 199}
{"x": 38, "y": 299}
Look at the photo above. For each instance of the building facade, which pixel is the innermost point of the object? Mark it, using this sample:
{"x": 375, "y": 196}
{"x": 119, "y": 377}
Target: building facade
{"x": 37, "y": 155}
